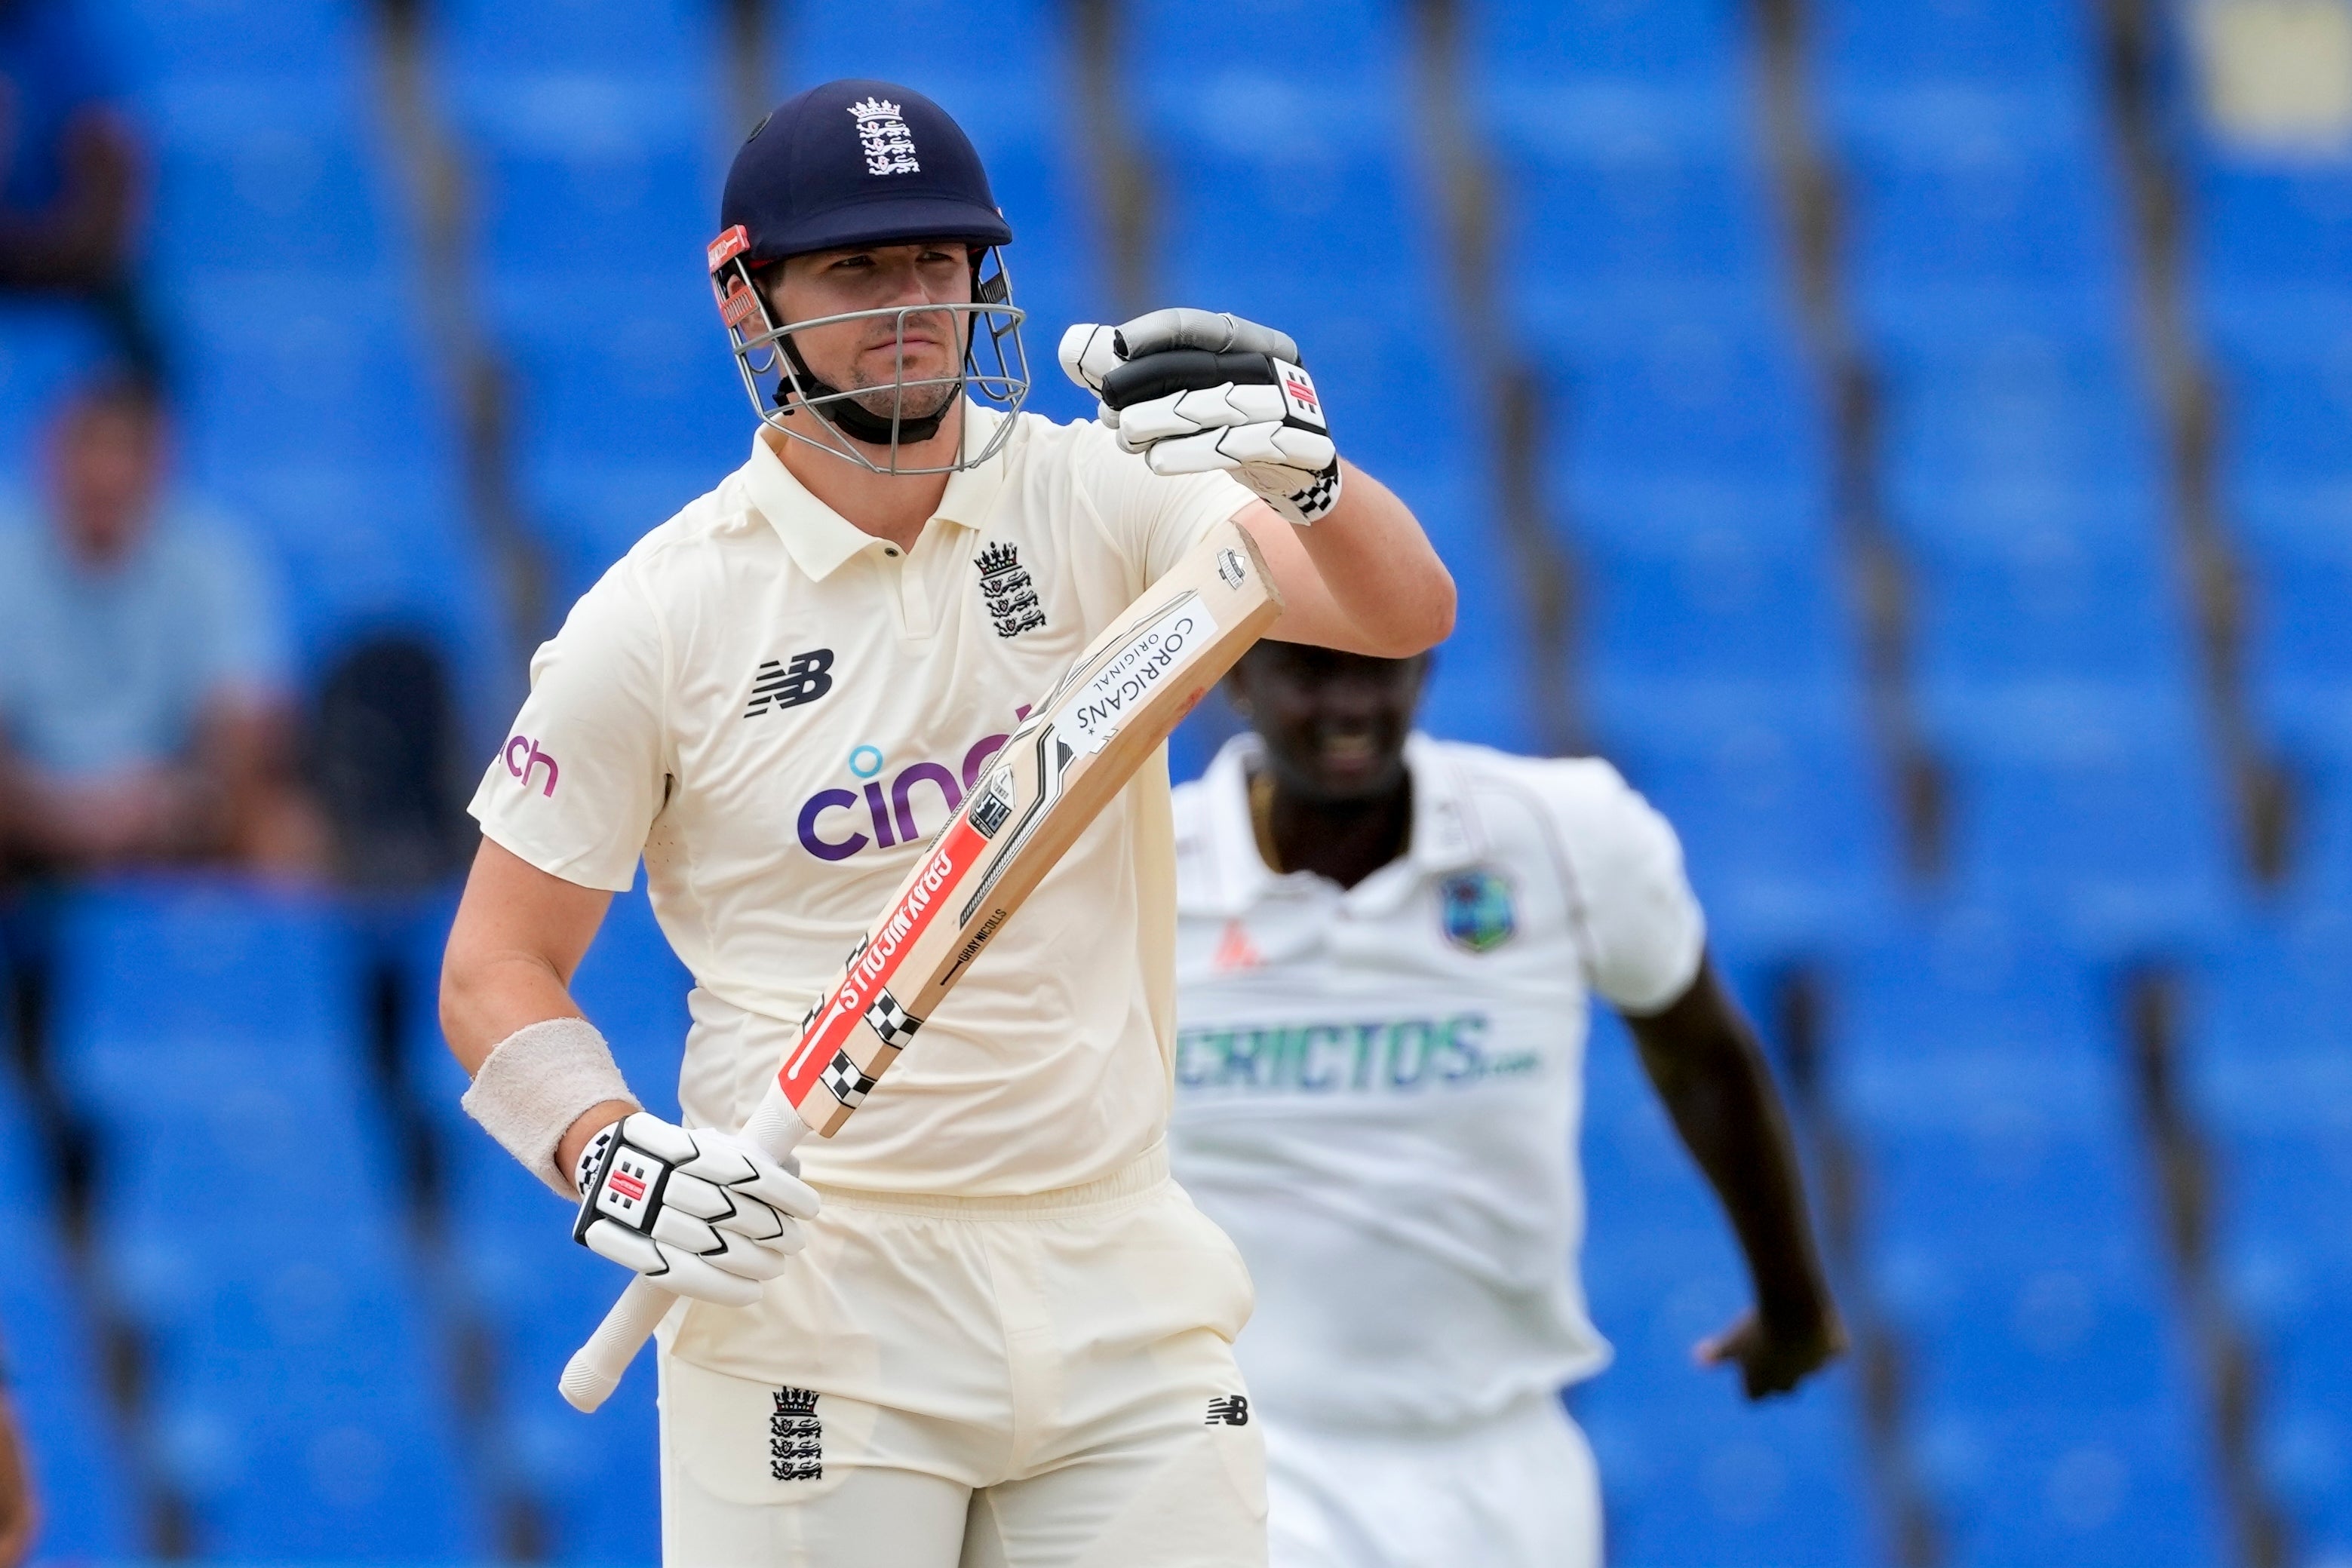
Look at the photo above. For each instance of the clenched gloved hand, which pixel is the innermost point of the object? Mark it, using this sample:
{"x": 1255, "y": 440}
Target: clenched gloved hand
{"x": 1194, "y": 390}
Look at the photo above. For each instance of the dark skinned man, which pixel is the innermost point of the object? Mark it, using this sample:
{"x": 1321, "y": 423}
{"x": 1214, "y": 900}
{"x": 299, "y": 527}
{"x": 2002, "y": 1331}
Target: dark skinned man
{"x": 1387, "y": 949}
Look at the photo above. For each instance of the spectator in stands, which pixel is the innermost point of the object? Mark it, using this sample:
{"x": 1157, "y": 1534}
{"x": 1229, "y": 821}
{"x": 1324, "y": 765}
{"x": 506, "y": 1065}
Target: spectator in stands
{"x": 69, "y": 169}
{"x": 17, "y": 1514}
{"x": 143, "y": 669}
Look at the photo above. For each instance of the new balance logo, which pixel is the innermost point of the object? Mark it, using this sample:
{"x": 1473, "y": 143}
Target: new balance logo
{"x": 1231, "y": 1409}
{"x": 782, "y": 685}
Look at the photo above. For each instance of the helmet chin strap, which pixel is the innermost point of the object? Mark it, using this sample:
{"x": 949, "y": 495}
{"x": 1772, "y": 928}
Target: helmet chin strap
{"x": 853, "y": 419}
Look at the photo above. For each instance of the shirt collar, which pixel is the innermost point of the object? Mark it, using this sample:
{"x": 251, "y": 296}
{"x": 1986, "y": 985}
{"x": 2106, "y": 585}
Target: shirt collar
{"x": 1446, "y": 833}
{"x": 819, "y": 539}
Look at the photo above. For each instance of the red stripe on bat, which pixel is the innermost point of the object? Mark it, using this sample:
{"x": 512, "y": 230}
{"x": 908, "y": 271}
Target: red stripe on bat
{"x": 950, "y": 859}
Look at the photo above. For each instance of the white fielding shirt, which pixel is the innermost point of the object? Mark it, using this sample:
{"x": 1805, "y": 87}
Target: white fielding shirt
{"x": 1379, "y": 1088}
{"x": 777, "y": 710}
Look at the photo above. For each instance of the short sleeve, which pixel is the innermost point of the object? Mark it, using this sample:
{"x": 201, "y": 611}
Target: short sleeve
{"x": 1152, "y": 520}
{"x": 1645, "y": 934}
{"x": 576, "y": 784}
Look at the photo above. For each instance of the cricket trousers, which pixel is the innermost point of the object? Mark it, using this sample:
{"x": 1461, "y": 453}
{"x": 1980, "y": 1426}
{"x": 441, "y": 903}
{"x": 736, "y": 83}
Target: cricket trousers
{"x": 1044, "y": 1382}
{"x": 1517, "y": 1491}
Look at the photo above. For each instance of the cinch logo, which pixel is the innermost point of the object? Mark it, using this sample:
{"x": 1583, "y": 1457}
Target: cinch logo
{"x": 523, "y": 755}
{"x": 888, "y": 805}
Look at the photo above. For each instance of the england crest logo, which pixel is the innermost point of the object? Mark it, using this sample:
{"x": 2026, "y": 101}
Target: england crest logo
{"x": 1006, "y": 589}
{"x": 884, "y": 139}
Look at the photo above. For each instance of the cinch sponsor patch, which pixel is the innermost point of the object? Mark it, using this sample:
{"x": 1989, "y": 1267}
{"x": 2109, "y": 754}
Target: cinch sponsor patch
{"x": 1095, "y": 712}
{"x": 1369, "y": 1056}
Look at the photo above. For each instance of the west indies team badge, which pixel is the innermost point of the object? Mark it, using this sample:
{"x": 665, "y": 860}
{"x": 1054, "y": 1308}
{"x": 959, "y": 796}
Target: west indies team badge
{"x": 1475, "y": 907}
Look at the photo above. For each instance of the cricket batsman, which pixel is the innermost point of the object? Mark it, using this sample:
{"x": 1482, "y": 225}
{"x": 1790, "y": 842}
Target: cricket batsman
{"x": 981, "y": 1325}
{"x": 1386, "y": 949}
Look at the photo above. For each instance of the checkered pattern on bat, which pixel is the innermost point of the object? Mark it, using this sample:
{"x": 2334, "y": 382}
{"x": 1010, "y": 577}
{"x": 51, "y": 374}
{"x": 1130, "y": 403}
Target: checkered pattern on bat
{"x": 845, "y": 1081}
{"x": 894, "y": 1023}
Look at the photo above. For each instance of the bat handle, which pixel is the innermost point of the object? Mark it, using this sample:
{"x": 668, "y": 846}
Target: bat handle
{"x": 595, "y": 1368}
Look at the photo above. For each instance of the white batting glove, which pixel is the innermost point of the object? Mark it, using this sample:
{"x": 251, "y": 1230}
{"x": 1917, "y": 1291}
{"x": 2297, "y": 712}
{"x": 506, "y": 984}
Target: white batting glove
{"x": 1194, "y": 391}
{"x": 705, "y": 1213}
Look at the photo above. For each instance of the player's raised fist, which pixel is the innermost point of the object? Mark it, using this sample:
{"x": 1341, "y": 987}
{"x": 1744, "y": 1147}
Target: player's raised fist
{"x": 1196, "y": 390}
{"x": 706, "y": 1212}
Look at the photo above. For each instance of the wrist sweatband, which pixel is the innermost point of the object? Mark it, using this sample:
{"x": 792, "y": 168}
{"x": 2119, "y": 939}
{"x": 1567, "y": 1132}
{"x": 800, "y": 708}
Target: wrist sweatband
{"x": 535, "y": 1084}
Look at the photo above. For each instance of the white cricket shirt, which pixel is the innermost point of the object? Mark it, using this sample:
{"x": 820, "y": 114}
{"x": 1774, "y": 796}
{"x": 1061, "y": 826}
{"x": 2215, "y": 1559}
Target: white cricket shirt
{"x": 1379, "y": 1088}
{"x": 776, "y": 709}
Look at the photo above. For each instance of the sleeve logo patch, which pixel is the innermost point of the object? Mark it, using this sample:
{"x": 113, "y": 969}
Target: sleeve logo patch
{"x": 523, "y": 758}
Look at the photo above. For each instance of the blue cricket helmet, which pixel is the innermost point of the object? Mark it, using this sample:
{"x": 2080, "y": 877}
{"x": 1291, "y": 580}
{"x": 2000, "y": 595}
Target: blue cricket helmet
{"x": 863, "y": 162}
{"x": 857, "y": 161}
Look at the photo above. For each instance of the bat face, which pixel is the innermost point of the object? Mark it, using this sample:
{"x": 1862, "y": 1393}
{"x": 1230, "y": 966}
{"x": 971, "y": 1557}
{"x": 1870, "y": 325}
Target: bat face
{"x": 1083, "y": 743}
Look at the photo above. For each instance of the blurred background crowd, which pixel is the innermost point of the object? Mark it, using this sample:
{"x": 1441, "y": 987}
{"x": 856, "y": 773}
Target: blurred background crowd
{"x": 1913, "y": 438}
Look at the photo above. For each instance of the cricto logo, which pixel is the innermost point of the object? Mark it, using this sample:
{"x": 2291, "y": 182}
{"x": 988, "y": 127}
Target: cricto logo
{"x": 1375, "y": 1056}
{"x": 834, "y": 824}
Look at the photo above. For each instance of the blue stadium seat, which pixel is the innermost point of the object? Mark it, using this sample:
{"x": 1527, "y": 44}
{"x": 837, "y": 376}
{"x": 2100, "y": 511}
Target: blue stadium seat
{"x": 368, "y": 550}
{"x": 47, "y": 1366}
{"x": 1736, "y": 408}
{"x": 211, "y": 1035}
{"x": 2287, "y": 420}
{"x": 1962, "y": 218}
{"x": 2041, "y": 1486}
{"x": 1345, "y": 168}
{"x": 2038, "y": 429}
{"x": 1603, "y": 221}
{"x": 1714, "y": 603}
{"x": 1692, "y": 1474}
{"x": 155, "y": 959}
{"x": 274, "y": 177}
{"x": 1870, "y": 55}
{"x": 164, "y": 44}
{"x": 487, "y": 47}
{"x": 2268, "y": 1080}
{"x": 279, "y": 369}
{"x": 2023, "y": 607}
{"x": 1783, "y": 816}
{"x": 2011, "y": 1240}
{"x": 2296, "y": 555}
{"x": 1195, "y": 60}
{"x": 2095, "y": 808}
{"x": 1977, "y": 983}
{"x": 307, "y": 1419}
{"x": 1695, "y": 52}
{"x": 2265, "y": 227}
{"x": 587, "y": 177}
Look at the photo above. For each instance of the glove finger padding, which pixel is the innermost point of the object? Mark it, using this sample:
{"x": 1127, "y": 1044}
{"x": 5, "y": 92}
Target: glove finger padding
{"x": 1188, "y": 413}
{"x": 1301, "y": 453}
{"x": 1156, "y": 331}
{"x": 676, "y": 1270}
{"x": 705, "y": 1212}
{"x": 1089, "y": 352}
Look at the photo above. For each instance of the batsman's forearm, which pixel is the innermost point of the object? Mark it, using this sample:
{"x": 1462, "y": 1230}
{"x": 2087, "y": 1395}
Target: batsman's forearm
{"x": 1381, "y": 573}
{"x": 1709, "y": 1068}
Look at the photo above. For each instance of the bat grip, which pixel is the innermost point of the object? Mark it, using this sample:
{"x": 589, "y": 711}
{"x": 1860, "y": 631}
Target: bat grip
{"x": 595, "y": 1368}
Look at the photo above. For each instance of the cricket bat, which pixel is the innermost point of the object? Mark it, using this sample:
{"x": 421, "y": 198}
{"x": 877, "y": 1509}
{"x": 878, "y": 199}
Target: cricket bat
{"x": 1081, "y": 744}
